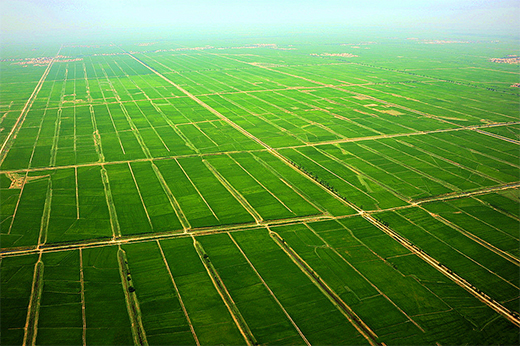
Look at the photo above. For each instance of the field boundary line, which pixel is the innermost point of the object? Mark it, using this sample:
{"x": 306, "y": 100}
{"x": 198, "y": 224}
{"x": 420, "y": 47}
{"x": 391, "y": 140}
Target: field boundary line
{"x": 96, "y": 136}
{"x": 464, "y": 194}
{"x": 77, "y": 191}
{"x": 365, "y": 278}
{"x": 46, "y": 215}
{"x": 132, "y": 304}
{"x": 328, "y": 292}
{"x": 262, "y": 185}
{"x": 83, "y": 309}
{"x": 196, "y": 189}
{"x": 6, "y": 145}
{"x": 491, "y": 247}
{"x": 271, "y": 292}
{"x": 114, "y": 222}
{"x": 484, "y": 298}
{"x": 454, "y": 163}
{"x": 140, "y": 195}
{"x": 413, "y": 169}
{"x": 510, "y": 140}
{"x": 240, "y": 322}
{"x": 294, "y": 188}
{"x": 178, "y": 293}
{"x": 173, "y": 201}
{"x": 13, "y": 252}
{"x": 18, "y": 202}
{"x": 238, "y": 196}
{"x": 33, "y": 310}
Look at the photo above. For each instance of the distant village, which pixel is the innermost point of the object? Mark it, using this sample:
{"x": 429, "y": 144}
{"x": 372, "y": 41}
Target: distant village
{"x": 510, "y": 59}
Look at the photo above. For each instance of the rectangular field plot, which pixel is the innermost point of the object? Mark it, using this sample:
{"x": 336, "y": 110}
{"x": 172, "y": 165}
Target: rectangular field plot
{"x": 132, "y": 216}
{"x": 22, "y": 225}
{"x": 78, "y": 207}
{"x": 60, "y": 320}
{"x": 107, "y": 320}
{"x": 158, "y": 207}
{"x": 16, "y": 284}
{"x": 163, "y": 318}
{"x": 224, "y": 205}
{"x": 211, "y": 320}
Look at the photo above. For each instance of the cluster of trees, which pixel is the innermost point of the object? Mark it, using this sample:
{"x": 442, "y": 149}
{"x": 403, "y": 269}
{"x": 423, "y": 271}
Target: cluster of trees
{"x": 320, "y": 181}
{"x": 384, "y": 223}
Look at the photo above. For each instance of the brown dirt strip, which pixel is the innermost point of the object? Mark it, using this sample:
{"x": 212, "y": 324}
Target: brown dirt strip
{"x": 31, "y": 322}
{"x": 114, "y": 223}
{"x": 83, "y": 312}
{"x": 132, "y": 304}
{"x": 44, "y": 225}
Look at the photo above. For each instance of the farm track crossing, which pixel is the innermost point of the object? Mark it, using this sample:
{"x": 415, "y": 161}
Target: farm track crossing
{"x": 117, "y": 240}
{"x": 339, "y": 141}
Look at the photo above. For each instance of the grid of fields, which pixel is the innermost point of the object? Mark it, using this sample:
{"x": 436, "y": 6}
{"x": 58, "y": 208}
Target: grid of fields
{"x": 260, "y": 194}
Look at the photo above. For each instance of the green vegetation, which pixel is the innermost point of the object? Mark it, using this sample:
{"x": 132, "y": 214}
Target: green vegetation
{"x": 316, "y": 191}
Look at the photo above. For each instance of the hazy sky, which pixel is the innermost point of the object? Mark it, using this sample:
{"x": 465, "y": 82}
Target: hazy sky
{"x": 26, "y": 17}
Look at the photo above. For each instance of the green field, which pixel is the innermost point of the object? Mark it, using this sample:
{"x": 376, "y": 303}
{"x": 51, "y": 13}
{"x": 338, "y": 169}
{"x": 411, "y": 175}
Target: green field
{"x": 303, "y": 192}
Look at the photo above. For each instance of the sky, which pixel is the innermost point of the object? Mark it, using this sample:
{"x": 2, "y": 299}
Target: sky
{"x": 35, "y": 18}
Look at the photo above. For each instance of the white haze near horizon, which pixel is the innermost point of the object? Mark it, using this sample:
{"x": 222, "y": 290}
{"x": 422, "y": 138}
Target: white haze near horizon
{"x": 37, "y": 19}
